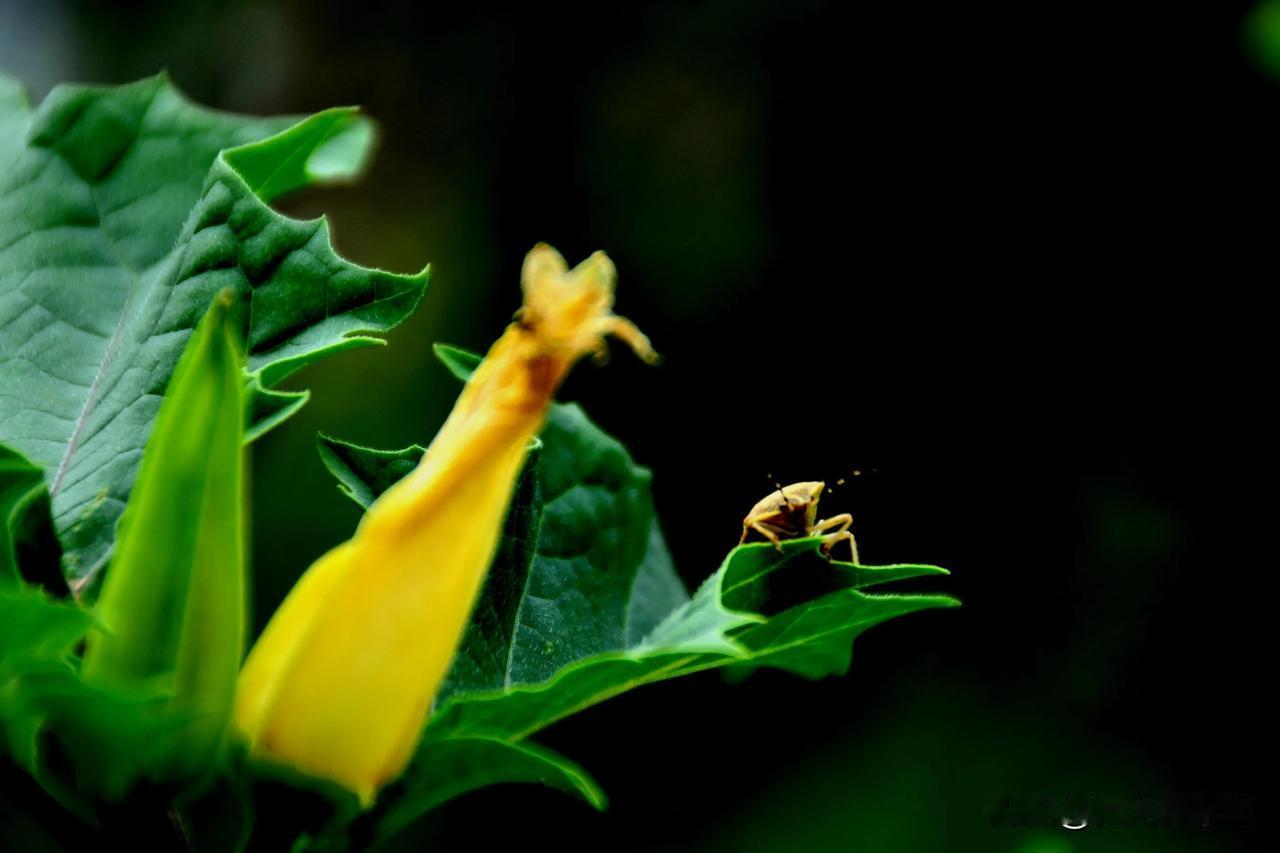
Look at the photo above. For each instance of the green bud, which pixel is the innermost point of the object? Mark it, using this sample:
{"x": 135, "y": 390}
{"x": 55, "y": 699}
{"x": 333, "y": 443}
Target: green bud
{"x": 169, "y": 630}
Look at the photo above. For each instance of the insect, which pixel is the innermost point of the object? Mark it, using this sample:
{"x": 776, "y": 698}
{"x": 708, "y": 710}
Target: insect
{"x": 790, "y": 512}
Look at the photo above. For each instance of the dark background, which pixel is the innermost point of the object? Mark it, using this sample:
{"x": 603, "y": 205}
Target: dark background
{"x": 1008, "y": 262}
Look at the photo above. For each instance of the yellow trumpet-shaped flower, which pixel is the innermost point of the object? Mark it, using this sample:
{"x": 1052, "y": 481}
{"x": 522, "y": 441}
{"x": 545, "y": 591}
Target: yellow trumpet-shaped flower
{"x": 340, "y": 683}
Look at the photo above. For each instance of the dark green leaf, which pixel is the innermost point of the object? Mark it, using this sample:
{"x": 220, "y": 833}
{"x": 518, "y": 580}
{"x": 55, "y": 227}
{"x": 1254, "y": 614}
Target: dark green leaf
{"x": 458, "y": 361}
{"x": 811, "y": 639}
{"x": 37, "y": 636}
{"x": 122, "y": 211}
{"x": 37, "y": 631}
{"x": 364, "y": 473}
{"x": 584, "y": 568}
{"x": 460, "y": 766}
{"x": 28, "y": 546}
{"x": 219, "y": 819}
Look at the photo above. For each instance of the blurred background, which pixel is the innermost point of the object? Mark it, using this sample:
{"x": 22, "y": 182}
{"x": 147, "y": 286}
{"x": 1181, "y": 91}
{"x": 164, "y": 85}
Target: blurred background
{"x": 1008, "y": 261}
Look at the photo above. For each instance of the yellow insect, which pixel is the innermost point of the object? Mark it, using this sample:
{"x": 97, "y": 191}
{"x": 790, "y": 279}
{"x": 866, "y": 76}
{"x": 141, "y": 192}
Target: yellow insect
{"x": 790, "y": 512}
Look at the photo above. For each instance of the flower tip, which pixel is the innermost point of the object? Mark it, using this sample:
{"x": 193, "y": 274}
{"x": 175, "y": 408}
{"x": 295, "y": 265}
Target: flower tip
{"x": 542, "y": 263}
{"x": 570, "y": 311}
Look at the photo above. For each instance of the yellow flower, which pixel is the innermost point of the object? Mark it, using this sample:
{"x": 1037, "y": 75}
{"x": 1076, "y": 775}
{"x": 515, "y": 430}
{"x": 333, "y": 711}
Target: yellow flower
{"x": 340, "y": 684}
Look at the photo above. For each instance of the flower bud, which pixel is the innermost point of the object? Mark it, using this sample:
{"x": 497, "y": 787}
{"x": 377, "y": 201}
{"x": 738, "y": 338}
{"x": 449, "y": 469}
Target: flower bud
{"x": 169, "y": 627}
{"x": 340, "y": 683}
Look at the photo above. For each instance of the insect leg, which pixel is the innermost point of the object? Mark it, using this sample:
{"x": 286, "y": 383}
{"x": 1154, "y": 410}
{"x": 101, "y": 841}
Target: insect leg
{"x": 768, "y": 532}
{"x": 829, "y": 542}
{"x": 841, "y": 523}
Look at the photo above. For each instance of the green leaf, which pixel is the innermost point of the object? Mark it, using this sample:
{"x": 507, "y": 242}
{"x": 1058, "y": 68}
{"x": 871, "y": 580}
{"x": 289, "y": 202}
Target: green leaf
{"x": 219, "y": 819}
{"x": 37, "y": 631}
{"x": 364, "y": 473}
{"x": 28, "y": 547}
{"x": 122, "y": 211}
{"x": 582, "y": 602}
{"x": 37, "y": 636}
{"x": 458, "y": 361}
{"x": 464, "y": 765}
{"x": 811, "y": 639}
{"x": 582, "y": 566}
{"x": 153, "y": 695}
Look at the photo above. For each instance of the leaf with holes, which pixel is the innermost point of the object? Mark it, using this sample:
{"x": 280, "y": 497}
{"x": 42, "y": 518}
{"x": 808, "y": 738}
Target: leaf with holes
{"x": 122, "y": 211}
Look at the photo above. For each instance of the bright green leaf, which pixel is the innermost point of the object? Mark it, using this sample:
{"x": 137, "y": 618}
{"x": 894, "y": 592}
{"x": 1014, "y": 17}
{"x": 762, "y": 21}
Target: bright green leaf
{"x": 122, "y": 211}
